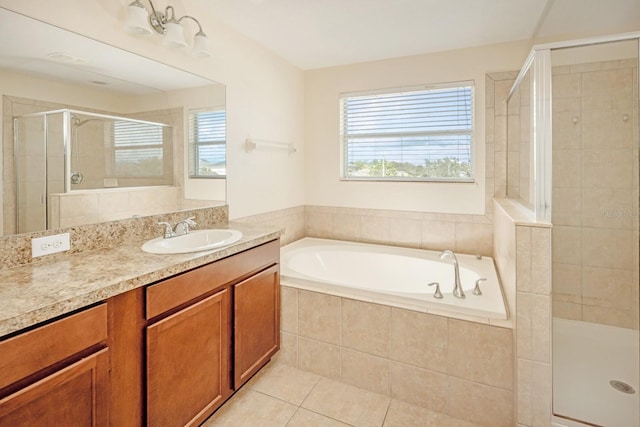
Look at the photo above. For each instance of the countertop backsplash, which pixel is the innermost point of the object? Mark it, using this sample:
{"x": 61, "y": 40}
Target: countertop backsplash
{"x": 15, "y": 250}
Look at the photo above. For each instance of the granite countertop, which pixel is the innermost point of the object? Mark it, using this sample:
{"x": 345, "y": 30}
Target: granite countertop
{"x": 31, "y": 294}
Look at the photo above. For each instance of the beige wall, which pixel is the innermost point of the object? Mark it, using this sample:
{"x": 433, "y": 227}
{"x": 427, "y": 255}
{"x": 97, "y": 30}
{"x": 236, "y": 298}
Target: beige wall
{"x": 264, "y": 94}
{"x": 322, "y": 90}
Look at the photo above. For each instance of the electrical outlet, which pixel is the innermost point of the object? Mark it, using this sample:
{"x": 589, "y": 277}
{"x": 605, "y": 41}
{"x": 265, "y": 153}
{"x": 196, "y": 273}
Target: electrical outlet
{"x": 50, "y": 244}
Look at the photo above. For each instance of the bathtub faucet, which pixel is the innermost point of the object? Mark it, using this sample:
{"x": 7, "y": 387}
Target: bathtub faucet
{"x": 457, "y": 288}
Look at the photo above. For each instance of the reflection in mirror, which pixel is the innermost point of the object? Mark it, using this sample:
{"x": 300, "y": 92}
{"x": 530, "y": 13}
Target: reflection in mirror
{"x": 92, "y": 133}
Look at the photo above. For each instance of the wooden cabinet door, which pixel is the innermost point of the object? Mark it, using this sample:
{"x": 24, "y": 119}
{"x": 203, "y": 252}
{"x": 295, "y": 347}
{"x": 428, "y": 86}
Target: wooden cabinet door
{"x": 188, "y": 355}
{"x": 73, "y": 396}
{"x": 256, "y": 323}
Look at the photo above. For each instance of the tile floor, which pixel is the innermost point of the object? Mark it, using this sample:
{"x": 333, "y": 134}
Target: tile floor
{"x": 281, "y": 395}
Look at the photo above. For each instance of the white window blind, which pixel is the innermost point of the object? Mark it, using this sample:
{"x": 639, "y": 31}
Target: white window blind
{"x": 417, "y": 134}
{"x": 137, "y": 149}
{"x": 207, "y": 143}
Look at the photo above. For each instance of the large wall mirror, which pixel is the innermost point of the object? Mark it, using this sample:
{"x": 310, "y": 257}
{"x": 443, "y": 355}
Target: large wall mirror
{"x": 93, "y": 133}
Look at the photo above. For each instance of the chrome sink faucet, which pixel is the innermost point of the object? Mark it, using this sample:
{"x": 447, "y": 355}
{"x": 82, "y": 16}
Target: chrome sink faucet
{"x": 181, "y": 228}
{"x": 457, "y": 289}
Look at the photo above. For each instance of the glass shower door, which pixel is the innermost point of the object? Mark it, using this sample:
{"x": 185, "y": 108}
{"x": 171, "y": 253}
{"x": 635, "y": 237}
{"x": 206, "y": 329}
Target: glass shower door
{"x": 595, "y": 216}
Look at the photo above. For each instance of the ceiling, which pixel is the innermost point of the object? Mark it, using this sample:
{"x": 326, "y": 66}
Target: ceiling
{"x": 322, "y": 33}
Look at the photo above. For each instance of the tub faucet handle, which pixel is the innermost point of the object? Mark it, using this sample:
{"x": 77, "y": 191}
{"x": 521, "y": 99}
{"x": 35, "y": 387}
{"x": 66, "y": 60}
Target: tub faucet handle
{"x": 476, "y": 289}
{"x": 437, "y": 293}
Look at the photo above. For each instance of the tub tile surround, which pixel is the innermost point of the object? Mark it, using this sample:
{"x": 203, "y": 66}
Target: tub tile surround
{"x": 523, "y": 258}
{"x": 290, "y": 222}
{"x": 422, "y": 230}
{"x": 421, "y": 359}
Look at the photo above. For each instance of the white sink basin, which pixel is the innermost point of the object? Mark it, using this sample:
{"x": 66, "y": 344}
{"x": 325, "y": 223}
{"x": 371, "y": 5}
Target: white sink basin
{"x": 196, "y": 240}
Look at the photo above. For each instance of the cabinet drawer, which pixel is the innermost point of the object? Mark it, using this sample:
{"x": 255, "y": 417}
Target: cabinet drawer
{"x": 185, "y": 287}
{"x": 28, "y": 353}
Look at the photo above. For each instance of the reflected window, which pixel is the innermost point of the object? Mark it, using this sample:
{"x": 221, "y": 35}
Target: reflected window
{"x": 207, "y": 143}
{"x": 137, "y": 149}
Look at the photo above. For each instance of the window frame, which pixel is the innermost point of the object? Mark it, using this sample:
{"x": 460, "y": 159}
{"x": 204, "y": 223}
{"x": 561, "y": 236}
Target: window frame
{"x": 193, "y": 153}
{"x": 344, "y": 166}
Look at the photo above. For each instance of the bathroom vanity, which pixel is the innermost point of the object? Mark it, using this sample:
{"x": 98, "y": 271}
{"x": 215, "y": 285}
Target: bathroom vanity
{"x": 164, "y": 352}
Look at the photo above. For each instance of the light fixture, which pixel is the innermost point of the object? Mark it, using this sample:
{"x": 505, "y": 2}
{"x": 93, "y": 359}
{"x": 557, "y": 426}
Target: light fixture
{"x": 141, "y": 22}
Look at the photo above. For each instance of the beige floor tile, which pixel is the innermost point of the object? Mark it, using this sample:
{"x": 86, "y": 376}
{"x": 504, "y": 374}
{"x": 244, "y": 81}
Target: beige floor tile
{"x": 306, "y": 418}
{"x": 402, "y": 414}
{"x": 284, "y": 382}
{"x": 347, "y": 403}
{"x": 251, "y": 408}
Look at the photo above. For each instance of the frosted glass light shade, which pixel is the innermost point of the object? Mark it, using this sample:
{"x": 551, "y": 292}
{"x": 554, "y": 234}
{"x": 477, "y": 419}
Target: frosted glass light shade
{"x": 174, "y": 35}
{"x": 201, "y": 46}
{"x": 137, "y": 19}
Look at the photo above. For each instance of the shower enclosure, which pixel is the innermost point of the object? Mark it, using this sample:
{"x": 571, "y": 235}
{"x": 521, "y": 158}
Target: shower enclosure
{"x": 64, "y": 151}
{"x": 572, "y": 158}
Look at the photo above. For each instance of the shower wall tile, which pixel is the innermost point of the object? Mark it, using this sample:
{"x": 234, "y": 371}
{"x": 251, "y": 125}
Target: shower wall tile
{"x": 607, "y": 248}
{"x": 567, "y": 134}
{"x": 598, "y": 172}
{"x": 608, "y": 288}
{"x": 567, "y": 206}
{"x": 566, "y": 86}
{"x": 566, "y": 242}
{"x": 502, "y": 88}
{"x": 607, "y": 82}
{"x": 567, "y": 283}
{"x": 610, "y": 316}
{"x": 501, "y": 131}
{"x": 566, "y": 310}
{"x": 567, "y": 168}
{"x": 608, "y": 208}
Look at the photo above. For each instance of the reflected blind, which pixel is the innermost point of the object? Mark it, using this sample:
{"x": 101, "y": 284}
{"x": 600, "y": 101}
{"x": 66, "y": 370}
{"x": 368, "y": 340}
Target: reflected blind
{"x": 417, "y": 134}
{"x": 137, "y": 149}
{"x": 207, "y": 143}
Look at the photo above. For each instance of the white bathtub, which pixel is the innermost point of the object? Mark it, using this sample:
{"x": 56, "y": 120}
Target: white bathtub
{"x": 393, "y": 276}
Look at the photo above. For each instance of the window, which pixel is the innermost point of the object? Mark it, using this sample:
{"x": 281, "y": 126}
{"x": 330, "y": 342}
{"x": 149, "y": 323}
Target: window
{"x": 137, "y": 149}
{"x": 207, "y": 143}
{"x": 416, "y": 134}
